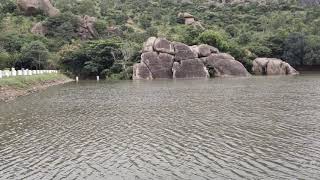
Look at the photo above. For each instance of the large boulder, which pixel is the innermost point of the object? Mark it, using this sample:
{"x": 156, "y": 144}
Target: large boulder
{"x": 31, "y": 7}
{"x": 148, "y": 45}
{"x": 86, "y": 28}
{"x": 192, "y": 68}
{"x": 272, "y": 66}
{"x": 39, "y": 29}
{"x": 141, "y": 71}
{"x": 225, "y": 65}
{"x": 164, "y": 46}
{"x": 276, "y": 67}
{"x": 160, "y": 65}
{"x": 259, "y": 66}
{"x": 184, "y": 52}
{"x": 204, "y": 50}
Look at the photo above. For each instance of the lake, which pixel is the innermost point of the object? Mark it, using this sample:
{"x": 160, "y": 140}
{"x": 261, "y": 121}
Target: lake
{"x": 237, "y": 128}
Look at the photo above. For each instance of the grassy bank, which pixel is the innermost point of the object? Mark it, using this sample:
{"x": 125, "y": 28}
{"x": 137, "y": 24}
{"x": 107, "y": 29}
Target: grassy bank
{"x": 13, "y": 87}
{"x": 24, "y": 82}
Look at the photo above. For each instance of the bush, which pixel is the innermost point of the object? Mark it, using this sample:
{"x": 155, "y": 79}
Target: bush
{"x": 33, "y": 56}
{"x": 260, "y": 51}
{"x": 92, "y": 58}
{"x": 215, "y": 39}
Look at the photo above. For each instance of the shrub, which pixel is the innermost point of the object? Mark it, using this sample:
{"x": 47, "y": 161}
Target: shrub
{"x": 214, "y": 38}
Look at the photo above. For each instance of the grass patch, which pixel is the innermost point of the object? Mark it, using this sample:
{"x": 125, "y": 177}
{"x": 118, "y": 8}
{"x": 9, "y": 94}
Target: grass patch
{"x": 22, "y": 82}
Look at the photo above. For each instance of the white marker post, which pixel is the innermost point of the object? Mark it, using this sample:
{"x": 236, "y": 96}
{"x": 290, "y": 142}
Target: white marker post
{"x": 77, "y": 79}
{"x": 98, "y": 78}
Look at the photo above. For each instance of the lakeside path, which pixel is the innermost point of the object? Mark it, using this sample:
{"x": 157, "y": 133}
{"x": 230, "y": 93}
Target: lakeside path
{"x": 13, "y": 87}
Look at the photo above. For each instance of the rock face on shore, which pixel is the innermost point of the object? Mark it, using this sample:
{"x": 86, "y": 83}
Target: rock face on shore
{"x": 162, "y": 59}
{"x": 86, "y": 28}
{"x": 225, "y": 65}
{"x": 272, "y": 66}
{"x": 31, "y": 7}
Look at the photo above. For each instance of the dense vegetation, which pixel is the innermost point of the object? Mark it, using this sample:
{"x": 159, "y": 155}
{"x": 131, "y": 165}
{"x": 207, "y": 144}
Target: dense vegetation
{"x": 281, "y": 29}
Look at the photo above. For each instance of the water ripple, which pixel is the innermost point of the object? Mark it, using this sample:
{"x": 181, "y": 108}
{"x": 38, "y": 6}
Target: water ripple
{"x": 255, "y": 128}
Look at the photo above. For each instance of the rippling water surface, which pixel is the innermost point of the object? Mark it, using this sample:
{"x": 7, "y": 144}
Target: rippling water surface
{"x": 251, "y": 128}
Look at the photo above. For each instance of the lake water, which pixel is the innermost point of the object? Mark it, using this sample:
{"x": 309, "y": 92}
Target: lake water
{"x": 241, "y": 128}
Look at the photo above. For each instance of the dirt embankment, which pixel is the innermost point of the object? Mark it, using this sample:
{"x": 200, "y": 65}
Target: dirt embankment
{"x": 8, "y": 93}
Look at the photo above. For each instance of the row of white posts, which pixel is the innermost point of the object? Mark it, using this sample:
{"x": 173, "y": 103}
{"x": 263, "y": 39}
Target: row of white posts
{"x": 26, "y": 72}
{"x": 77, "y": 78}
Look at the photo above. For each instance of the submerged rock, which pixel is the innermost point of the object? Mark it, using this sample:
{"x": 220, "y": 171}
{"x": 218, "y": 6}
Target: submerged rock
{"x": 160, "y": 65}
{"x": 192, "y": 68}
{"x": 225, "y": 65}
{"x": 272, "y": 66}
{"x": 141, "y": 71}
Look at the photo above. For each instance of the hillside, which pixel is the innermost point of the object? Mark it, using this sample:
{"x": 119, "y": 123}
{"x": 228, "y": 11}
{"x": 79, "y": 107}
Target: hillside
{"x": 90, "y": 37}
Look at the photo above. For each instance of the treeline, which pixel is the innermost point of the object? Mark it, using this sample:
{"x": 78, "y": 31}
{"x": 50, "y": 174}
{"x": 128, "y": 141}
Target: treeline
{"x": 280, "y": 29}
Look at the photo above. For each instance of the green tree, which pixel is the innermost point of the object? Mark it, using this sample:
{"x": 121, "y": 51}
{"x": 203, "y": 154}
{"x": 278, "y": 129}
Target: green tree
{"x": 312, "y": 54}
{"x": 33, "y": 56}
{"x": 63, "y": 26}
{"x": 92, "y": 58}
{"x": 295, "y": 49}
{"x": 5, "y": 60}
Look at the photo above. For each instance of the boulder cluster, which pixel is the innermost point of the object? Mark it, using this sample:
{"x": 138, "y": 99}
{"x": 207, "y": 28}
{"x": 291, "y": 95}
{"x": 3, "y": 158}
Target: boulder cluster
{"x": 272, "y": 66}
{"x": 162, "y": 59}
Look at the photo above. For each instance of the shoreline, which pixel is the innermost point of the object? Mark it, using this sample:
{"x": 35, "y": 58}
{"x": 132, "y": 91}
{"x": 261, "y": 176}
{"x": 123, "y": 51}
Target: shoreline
{"x": 11, "y": 92}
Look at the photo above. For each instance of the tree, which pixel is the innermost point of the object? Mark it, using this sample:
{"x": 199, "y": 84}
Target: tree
{"x": 295, "y": 49}
{"x": 92, "y": 58}
{"x": 312, "y": 54}
{"x": 5, "y": 60}
{"x": 87, "y": 7}
{"x": 63, "y": 26}
{"x": 7, "y": 6}
{"x": 33, "y": 56}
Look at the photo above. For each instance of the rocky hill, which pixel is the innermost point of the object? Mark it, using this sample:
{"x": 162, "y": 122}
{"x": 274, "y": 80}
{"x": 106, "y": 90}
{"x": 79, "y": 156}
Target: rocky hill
{"x": 105, "y": 37}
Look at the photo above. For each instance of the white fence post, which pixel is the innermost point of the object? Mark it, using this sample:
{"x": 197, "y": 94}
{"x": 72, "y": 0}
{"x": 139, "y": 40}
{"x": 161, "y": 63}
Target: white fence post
{"x": 13, "y": 72}
{"x": 7, "y": 73}
{"x": 26, "y": 72}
